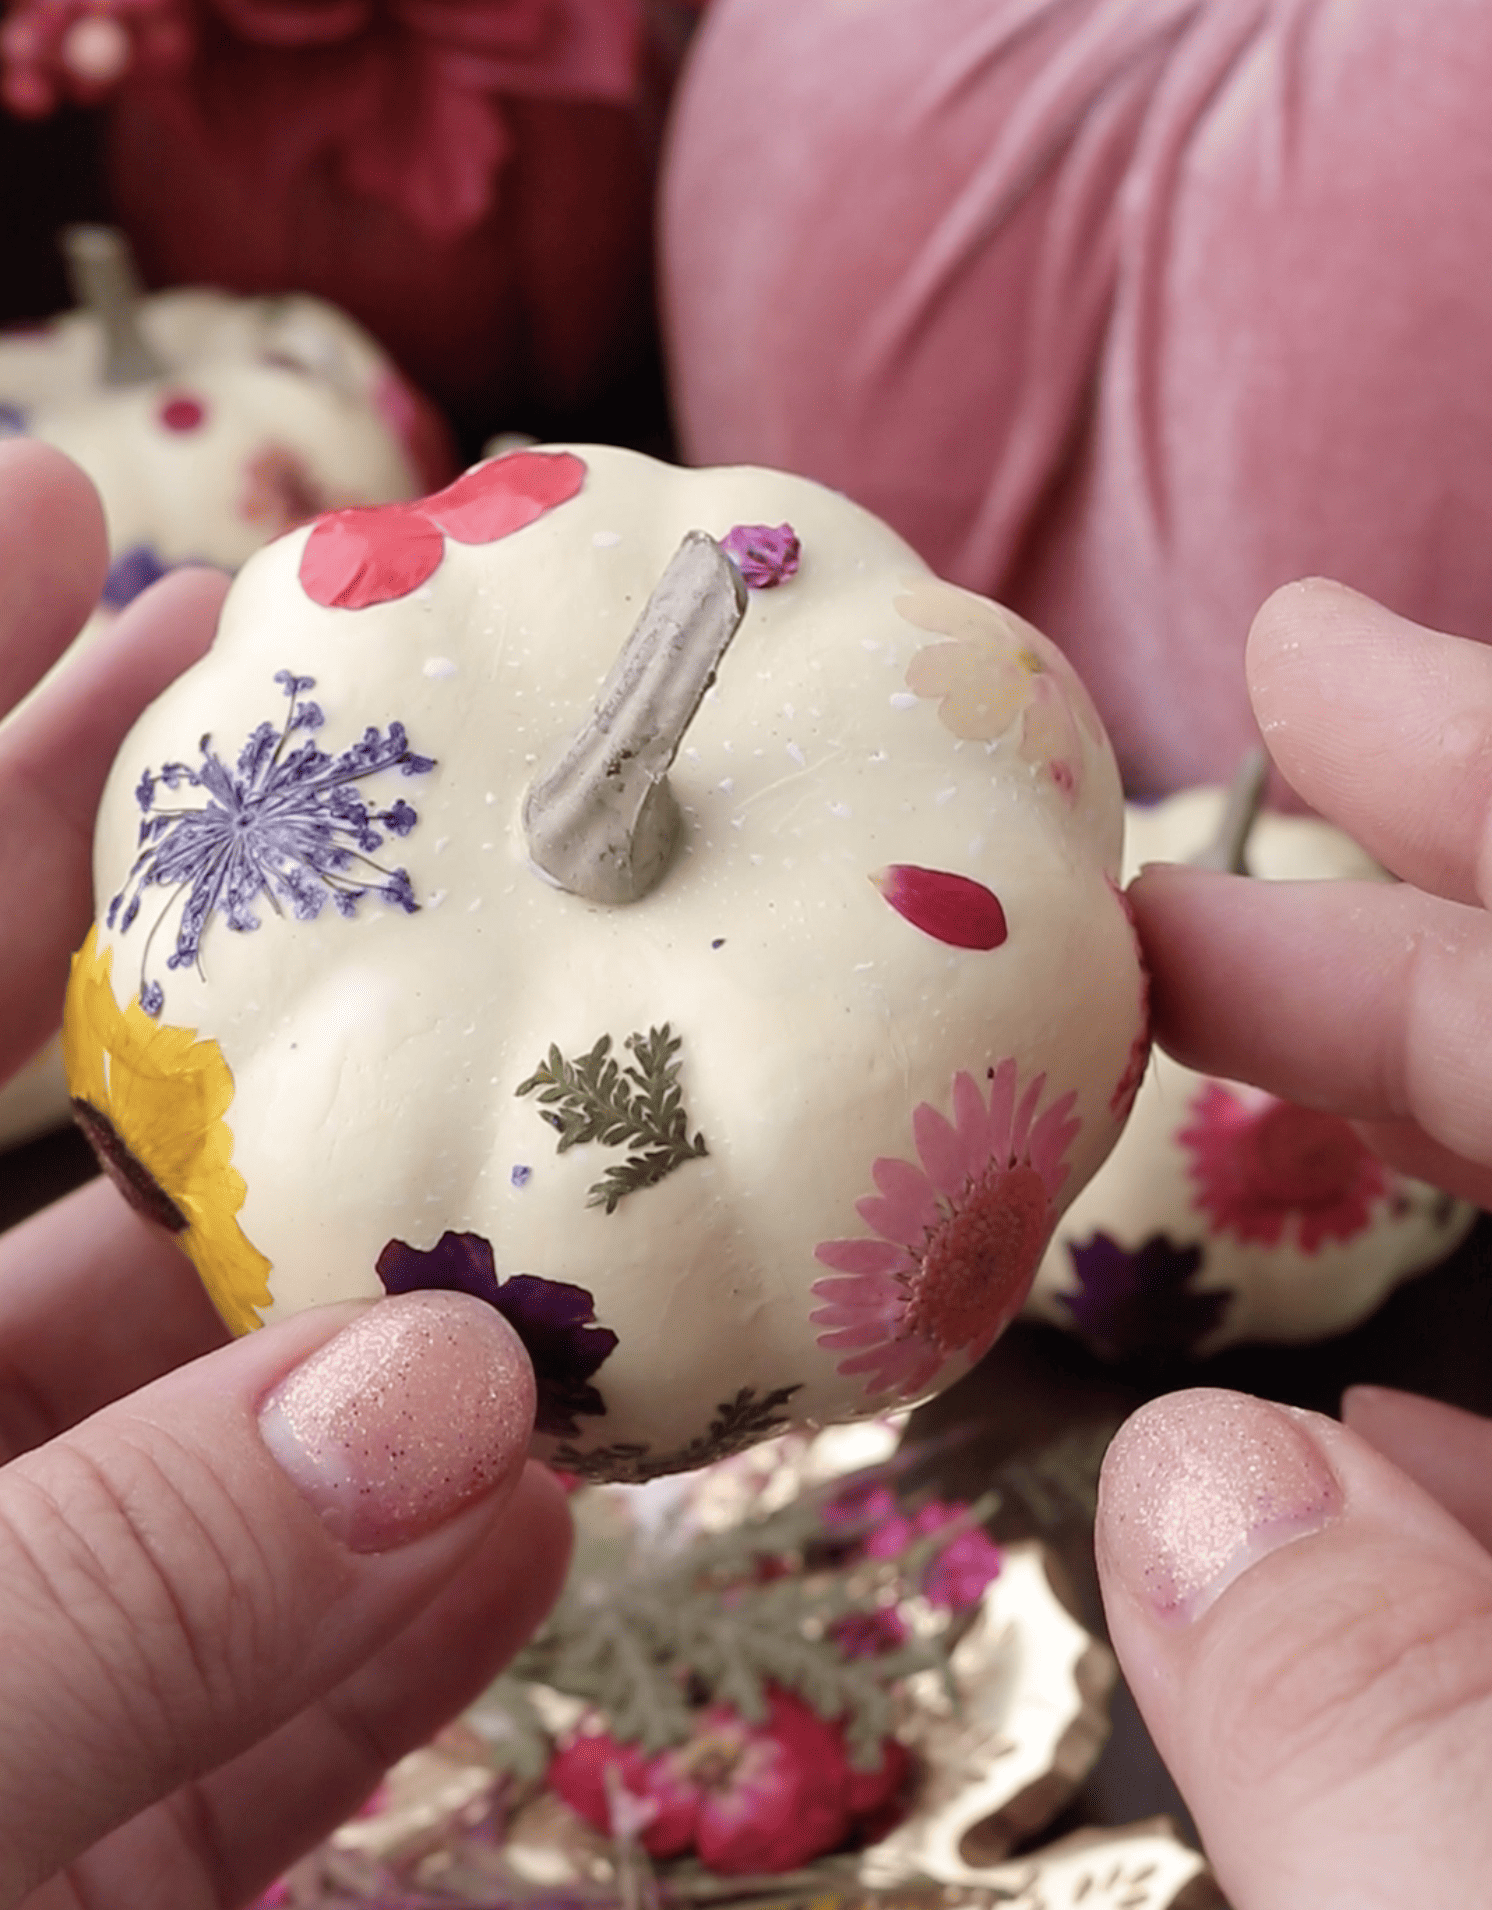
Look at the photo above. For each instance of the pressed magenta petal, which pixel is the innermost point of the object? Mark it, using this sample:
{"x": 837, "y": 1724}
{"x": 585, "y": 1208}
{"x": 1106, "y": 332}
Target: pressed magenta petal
{"x": 939, "y": 1149}
{"x": 887, "y": 1363}
{"x": 866, "y": 1289}
{"x": 873, "y": 1333}
{"x": 899, "y": 1179}
{"x": 1020, "y": 1130}
{"x": 971, "y": 1125}
{"x": 951, "y": 908}
{"x": 861, "y": 1256}
{"x": 883, "y": 1314}
{"x": 899, "y": 1220}
{"x": 971, "y": 1118}
{"x": 1051, "y": 1137}
{"x": 923, "y": 1371}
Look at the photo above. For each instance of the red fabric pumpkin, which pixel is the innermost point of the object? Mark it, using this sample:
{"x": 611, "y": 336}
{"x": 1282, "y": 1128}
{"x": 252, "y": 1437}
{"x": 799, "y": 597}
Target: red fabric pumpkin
{"x": 470, "y": 178}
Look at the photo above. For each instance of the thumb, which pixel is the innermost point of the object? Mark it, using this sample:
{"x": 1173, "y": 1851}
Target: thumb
{"x": 1309, "y": 1637}
{"x": 189, "y": 1569}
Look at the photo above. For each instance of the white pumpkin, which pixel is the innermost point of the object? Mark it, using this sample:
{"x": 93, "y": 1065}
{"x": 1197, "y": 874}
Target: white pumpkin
{"x": 1225, "y": 1214}
{"x": 210, "y": 424}
{"x": 749, "y": 1088}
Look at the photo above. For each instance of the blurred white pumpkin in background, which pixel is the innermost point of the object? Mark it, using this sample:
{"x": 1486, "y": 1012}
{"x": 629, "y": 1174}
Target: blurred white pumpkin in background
{"x": 211, "y": 424}
{"x": 1226, "y": 1214}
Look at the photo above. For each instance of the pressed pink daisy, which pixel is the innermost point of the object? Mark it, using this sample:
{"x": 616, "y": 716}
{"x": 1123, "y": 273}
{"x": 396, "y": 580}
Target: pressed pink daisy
{"x": 1261, "y": 1164}
{"x": 956, "y": 1235}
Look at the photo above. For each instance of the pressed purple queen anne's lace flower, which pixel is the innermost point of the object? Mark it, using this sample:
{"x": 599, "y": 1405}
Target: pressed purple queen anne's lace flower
{"x": 285, "y": 825}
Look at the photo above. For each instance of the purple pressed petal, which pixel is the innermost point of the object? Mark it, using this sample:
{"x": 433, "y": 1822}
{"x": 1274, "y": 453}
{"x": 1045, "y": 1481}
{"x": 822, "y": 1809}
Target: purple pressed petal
{"x": 861, "y": 1256}
{"x": 280, "y": 826}
{"x": 765, "y": 554}
{"x": 462, "y": 1263}
{"x": 553, "y": 1319}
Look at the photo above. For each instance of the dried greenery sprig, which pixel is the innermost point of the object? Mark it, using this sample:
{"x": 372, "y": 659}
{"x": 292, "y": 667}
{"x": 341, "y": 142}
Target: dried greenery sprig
{"x": 648, "y": 1632}
{"x": 639, "y": 1106}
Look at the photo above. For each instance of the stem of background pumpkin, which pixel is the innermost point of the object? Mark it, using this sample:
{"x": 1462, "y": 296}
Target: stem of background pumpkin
{"x": 101, "y": 271}
{"x": 1228, "y": 849}
{"x": 601, "y": 821}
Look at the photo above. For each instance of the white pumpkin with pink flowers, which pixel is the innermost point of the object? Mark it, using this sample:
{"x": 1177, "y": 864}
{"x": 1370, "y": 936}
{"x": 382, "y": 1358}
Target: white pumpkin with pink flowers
{"x": 646, "y": 898}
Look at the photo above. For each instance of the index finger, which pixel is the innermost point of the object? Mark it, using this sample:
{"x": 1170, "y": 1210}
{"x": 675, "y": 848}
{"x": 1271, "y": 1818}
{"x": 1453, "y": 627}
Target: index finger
{"x": 1383, "y": 726}
{"x": 1364, "y": 999}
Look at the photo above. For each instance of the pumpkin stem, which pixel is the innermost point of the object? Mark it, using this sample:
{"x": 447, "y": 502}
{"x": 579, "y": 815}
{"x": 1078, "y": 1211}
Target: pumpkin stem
{"x": 1228, "y": 849}
{"x": 101, "y": 271}
{"x": 601, "y": 821}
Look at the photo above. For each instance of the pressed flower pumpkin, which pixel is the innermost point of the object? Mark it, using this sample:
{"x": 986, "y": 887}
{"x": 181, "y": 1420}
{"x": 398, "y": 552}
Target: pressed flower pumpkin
{"x": 649, "y": 901}
{"x": 1226, "y": 1213}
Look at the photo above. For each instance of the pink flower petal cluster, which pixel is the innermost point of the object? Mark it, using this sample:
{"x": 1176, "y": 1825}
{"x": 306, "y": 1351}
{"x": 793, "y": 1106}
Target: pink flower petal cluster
{"x": 955, "y": 1236}
{"x": 1268, "y": 1170}
{"x": 747, "y": 1799}
{"x": 958, "y": 1572}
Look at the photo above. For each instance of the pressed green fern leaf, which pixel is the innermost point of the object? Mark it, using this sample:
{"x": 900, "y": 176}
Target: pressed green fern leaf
{"x": 639, "y": 1106}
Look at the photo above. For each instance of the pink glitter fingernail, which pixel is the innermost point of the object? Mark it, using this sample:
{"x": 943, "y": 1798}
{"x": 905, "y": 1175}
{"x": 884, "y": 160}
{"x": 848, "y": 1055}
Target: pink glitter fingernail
{"x": 424, "y": 1403}
{"x": 1198, "y": 1486}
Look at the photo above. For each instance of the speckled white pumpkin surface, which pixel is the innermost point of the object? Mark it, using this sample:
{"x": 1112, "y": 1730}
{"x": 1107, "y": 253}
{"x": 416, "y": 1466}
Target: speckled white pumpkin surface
{"x": 1224, "y": 1213}
{"x": 782, "y": 1140}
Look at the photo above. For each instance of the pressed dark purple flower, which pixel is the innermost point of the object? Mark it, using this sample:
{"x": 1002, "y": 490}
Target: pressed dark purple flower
{"x": 132, "y": 571}
{"x": 285, "y": 825}
{"x": 12, "y": 421}
{"x": 951, "y": 908}
{"x": 554, "y": 1320}
{"x": 765, "y": 554}
{"x": 1141, "y": 1304}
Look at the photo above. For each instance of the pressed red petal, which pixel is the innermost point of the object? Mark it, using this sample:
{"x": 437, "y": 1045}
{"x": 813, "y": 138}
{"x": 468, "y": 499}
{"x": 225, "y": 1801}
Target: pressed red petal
{"x": 501, "y": 497}
{"x": 364, "y": 556}
{"x": 951, "y": 908}
{"x": 785, "y": 1800}
{"x": 871, "y": 1791}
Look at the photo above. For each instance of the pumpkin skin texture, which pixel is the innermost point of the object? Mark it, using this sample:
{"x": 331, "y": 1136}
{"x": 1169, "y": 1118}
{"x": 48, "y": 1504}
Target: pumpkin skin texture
{"x": 1225, "y": 1214}
{"x": 868, "y": 1103}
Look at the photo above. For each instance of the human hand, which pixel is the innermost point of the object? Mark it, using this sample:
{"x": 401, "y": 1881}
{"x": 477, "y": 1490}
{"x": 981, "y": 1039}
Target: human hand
{"x": 1304, "y": 1609}
{"x": 236, "y": 1581}
{"x": 1370, "y": 1000}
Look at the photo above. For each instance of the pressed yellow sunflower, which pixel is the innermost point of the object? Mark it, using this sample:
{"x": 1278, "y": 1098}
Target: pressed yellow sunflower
{"x": 151, "y": 1100}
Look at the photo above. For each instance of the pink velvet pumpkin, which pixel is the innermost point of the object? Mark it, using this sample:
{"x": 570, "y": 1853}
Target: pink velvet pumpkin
{"x": 1122, "y": 311}
{"x": 470, "y": 178}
